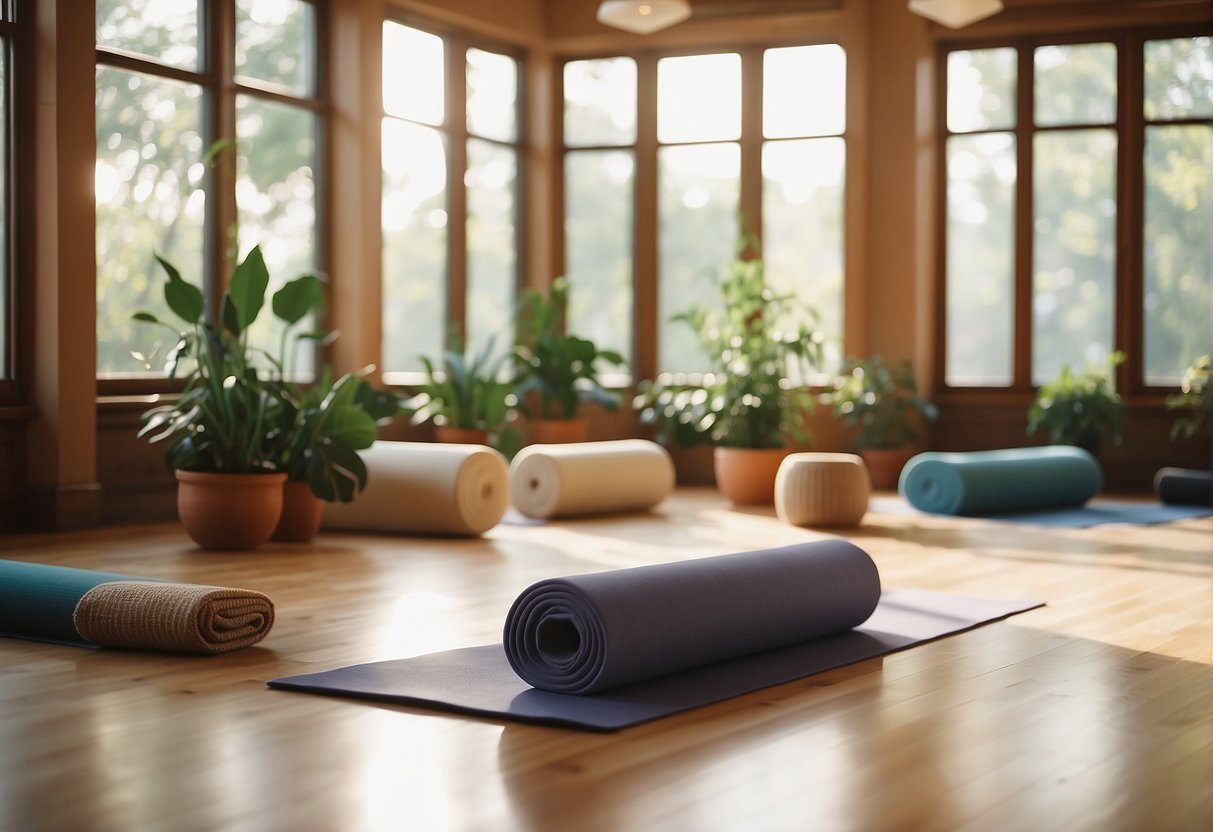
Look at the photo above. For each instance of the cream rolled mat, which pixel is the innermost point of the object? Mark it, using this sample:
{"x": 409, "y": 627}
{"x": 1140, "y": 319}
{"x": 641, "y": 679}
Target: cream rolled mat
{"x": 161, "y": 616}
{"x": 590, "y": 478}
{"x": 426, "y": 488}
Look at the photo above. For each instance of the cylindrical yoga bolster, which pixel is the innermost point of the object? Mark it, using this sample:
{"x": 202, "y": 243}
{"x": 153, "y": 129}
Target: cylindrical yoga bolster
{"x": 101, "y": 608}
{"x": 426, "y": 488}
{"x": 590, "y": 478}
{"x": 588, "y": 633}
{"x": 990, "y": 482}
{"x": 1184, "y": 486}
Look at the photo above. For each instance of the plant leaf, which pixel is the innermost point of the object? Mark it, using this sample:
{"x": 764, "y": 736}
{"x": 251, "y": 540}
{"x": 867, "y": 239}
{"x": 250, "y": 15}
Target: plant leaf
{"x": 185, "y": 299}
{"x": 250, "y": 279}
{"x": 300, "y": 297}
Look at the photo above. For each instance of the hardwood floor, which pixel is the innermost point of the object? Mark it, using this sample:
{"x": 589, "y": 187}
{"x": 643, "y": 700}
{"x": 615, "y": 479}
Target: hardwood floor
{"x": 1093, "y": 712}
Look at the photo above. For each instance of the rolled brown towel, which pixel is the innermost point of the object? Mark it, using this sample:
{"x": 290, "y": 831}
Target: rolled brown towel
{"x": 185, "y": 617}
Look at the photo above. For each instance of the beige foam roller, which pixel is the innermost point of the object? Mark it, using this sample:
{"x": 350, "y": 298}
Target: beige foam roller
{"x": 167, "y": 616}
{"x": 821, "y": 489}
{"x": 426, "y": 488}
{"x": 590, "y": 478}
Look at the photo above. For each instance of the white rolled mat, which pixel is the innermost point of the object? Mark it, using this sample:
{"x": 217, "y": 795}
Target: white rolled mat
{"x": 590, "y": 478}
{"x": 426, "y": 488}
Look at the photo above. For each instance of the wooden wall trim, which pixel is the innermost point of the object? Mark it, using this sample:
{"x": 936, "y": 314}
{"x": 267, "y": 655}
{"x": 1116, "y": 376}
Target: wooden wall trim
{"x": 62, "y": 437}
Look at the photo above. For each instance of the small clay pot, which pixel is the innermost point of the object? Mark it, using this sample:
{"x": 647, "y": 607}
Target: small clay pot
{"x": 302, "y": 512}
{"x": 746, "y": 476}
{"x": 229, "y": 511}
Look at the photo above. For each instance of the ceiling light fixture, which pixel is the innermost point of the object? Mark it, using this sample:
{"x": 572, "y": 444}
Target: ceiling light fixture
{"x": 643, "y": 17}
{"x": 955, "y": 14}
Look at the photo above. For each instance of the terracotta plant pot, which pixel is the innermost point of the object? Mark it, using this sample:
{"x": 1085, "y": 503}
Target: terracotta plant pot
{"x": 746, "y": 476}
{"x": 558, "y": 431}
{"x": 460, "y": 436}
{"x": 885, "y": 464}
{"x": 302, "y": 512}
{"x": 229, "y": 511}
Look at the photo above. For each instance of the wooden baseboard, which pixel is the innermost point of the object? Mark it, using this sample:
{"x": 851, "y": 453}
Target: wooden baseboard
{"x": 58, "y": 507}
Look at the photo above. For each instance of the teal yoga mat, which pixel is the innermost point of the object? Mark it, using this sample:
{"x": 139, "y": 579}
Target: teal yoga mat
{"x": 102, "y": 609}
{"x": 39, "y": 601}
{"x": 1001, "y": 481}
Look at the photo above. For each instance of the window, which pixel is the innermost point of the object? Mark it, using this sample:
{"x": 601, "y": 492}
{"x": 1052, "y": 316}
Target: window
{"x": 721, "y": 168}
{"x": 193, "y": 172}
{"x": 1072, "y": 206}
{"x": 450, "y": 203}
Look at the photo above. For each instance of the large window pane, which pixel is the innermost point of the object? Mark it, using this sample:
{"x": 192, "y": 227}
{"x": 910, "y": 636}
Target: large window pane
{"x": 492, "y": 242}
{"x": 699, "y": 98}
{"x": 802, "y": 210}
{"x": 1075, "y": 84}
{"x": 981, "y": 89}
{"x": 492, "y": 90}
{"x": 414, "y": 216}
{"x": 697, "y": 210}
{"x": 275, "y": 43}
{"x": 1178, "y": 261}
{"x": 1179, "y": 78}
{"x": 791, "y": 106}
{"x": 600, "y": 102}
{"x": 276, "y": 203}
{"x": 980, "y": 259}
{"x": 1074, "y": 250}
{"x": 598, "y": 246}
{"x": 149, "y": 174}
{"x": 413, "y": 74}
{"x": 162, "y": 30}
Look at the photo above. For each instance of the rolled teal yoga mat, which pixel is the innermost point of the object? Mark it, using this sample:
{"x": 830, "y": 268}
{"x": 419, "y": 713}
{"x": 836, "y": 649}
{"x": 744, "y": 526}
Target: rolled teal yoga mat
{"x": 1001, "y": 481}
{"x": 39, "y": 601}
{"x": 101, "y": 609}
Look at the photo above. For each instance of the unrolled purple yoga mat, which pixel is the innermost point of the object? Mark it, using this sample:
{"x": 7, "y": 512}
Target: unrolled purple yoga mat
{"x": 612, "y": 649}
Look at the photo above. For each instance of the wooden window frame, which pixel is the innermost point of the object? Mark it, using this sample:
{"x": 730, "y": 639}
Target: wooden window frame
{"x": 1128, "y": 311}
{"x": 645, "y": 210}
{"x": 456, "y": 42}
{"x": 16, "y": 31}
{"x": 217, "y": 76}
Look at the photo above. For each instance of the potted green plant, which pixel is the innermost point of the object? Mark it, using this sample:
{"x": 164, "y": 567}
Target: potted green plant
{"x": 1195, "y": 399}
{"x": 1080, "y": 409}
{"x": 236, "y": 429}
{"x": 468, "y": 400}
{"x": 555, "y": 371}
{"x": 754, "y": 399}
{"x": 880, "y": 402}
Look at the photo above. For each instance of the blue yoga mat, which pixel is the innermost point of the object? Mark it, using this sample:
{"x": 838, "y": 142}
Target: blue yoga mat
{"x": 39, "y": 601}
{"x": 1001, "y": 481}
{"x": 612, "y": 649}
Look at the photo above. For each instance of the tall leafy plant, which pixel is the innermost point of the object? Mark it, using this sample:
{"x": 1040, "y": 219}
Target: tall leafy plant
{"x": 881, "y": 402}
{"x": 1080, "y": 408}
{"x": 234, "y": 417}
{"x": 469, "y": 391}
{"x": 1194, "y": 401}
{"x": 555, "y": 370}
{"x": 761, "y": 347}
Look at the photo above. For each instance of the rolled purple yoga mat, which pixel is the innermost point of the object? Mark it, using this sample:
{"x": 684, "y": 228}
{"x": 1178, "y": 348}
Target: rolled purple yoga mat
{"x": 1184, "y": 486}
{"x": 588, "y": 633}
